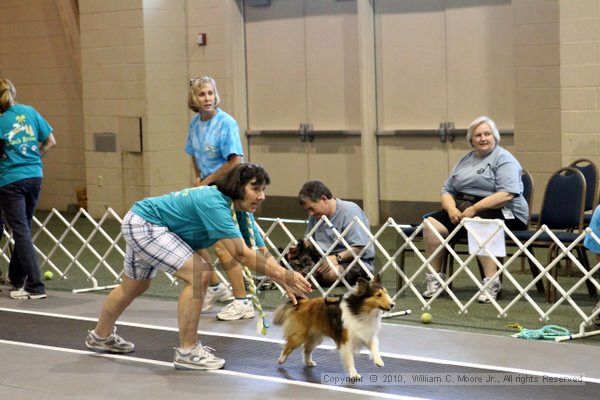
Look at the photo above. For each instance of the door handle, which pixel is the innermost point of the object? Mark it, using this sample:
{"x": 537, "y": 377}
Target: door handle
{"x": 445, "y": 132}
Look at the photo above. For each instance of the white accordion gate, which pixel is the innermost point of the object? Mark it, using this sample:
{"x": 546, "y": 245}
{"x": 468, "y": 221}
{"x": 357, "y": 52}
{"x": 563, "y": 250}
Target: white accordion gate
{"x": 57, "y": 257}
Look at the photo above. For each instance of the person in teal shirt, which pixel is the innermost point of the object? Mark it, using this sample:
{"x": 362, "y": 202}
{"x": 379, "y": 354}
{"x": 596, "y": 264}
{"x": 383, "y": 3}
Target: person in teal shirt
{"x": 592, "y": 245}
{"x": 214, "y": 144}
{"x": 25, "y": 136}
{"x": 172, "y": 233}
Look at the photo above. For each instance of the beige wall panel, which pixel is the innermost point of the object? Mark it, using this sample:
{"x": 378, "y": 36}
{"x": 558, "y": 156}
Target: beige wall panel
{"x": 587, "y": 121}
{"x": 93, "y": 6}
{"x": 337, "y": 162}
{"x": 332, "y": 64}
{"x": 36, "y": 57}
{"x": 576, "y": 146}
{"x": 276, "y": 65}
{"x": 412, "y": 169}
{"x": 285, "y": 159}
{"x": 536, "y": 140}
{"x": 215, "y": 69}
{"x": 411, "y": 63}
{"x": 480, "y": 48}
{"x": 166, "y": 61}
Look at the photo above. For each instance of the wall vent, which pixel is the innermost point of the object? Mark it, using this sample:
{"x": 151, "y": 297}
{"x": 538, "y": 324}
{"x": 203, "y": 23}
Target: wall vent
{"x": 105, "y": 142}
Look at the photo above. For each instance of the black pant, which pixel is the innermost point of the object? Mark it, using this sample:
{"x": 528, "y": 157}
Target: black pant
{"x": 18, "y": 201}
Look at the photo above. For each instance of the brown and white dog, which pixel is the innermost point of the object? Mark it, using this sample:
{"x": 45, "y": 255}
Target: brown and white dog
{"x": 352, "y": 322}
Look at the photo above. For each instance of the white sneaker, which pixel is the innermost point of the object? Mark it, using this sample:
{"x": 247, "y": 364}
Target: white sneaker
{"x": 216, "y": 293}
{"x": 433, "y": 285}
{"x": 237, "y": 309}
{"x": 491, "y": 292}
{"x": 199, "y": 357}
{"x": 22, "y": 294}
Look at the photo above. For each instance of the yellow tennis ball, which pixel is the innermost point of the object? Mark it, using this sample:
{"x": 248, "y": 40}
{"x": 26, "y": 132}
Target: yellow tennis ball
{"x": 425, "y": 318}
{"x": 48, "y": 275}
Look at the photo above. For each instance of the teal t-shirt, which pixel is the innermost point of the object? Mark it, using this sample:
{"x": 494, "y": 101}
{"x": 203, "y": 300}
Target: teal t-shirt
{"x": 589, "y": 242}
{"x": 22, "y": 128}
{"x": 212, "y": 142}
{"x": 200, "y": 216}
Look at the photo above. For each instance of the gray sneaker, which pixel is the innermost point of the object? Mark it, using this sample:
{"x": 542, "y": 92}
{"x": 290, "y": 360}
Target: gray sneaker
{"x": 433, "y": 286}
{"x": 113, "y": 343}
{"x": 199, "y": 357}
{"x": 491, "y": 292}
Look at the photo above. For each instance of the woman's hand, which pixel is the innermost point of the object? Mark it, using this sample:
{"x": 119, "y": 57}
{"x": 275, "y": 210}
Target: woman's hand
{"x": 469, "y": 212}
{"x": 455, "y": 215}
{"x": 294, "y": 284}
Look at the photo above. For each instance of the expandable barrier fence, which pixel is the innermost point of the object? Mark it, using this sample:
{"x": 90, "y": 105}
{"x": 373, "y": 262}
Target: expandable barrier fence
{"x": 486, "y": 237}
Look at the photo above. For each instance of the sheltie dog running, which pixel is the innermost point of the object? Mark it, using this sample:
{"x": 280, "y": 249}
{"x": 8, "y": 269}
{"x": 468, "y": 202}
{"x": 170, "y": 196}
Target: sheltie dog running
{"x": 352, "y": 321}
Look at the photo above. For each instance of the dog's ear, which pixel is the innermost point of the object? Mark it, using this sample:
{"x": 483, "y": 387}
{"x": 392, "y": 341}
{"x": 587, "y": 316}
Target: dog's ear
{"x": 292, "y": 253}
{"x": 312, "y": 251}
{"x": 301, "y": 246}
{"x": 376, "y": 279}
{"x": 362, "y": 286}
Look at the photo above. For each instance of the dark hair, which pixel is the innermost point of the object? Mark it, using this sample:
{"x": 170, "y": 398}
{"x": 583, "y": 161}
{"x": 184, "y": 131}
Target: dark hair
{"x": 232, "y": 184}
{"x": 313, "y": 191}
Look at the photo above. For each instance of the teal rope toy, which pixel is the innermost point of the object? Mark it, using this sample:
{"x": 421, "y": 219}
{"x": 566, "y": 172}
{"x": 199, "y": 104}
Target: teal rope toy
{"x": 261, "y": 324}
{"x": 548, "y": 332}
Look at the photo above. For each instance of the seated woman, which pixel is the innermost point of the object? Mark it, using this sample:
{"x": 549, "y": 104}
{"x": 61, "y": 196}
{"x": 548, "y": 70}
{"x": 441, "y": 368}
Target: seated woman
{"x": 485, "y": 183}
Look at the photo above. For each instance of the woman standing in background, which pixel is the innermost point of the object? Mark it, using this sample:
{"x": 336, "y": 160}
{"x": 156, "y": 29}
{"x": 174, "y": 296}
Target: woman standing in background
{"x": 214, "y": 144}
{"x": 25, "y": 137}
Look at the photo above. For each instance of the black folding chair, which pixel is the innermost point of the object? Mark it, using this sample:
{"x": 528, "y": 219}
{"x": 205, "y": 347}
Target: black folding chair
{"x": 562, "y": 212}
{"x": 590, "y": 173}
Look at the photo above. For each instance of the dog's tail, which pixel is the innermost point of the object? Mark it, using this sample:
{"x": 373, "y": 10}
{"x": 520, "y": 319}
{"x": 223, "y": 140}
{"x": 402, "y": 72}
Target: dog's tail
{"x": 282, "y": 312}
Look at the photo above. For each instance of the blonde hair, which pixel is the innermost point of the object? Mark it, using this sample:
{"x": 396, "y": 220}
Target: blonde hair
{"x": 195, "y": 87}
{"x": 7, "y": 94}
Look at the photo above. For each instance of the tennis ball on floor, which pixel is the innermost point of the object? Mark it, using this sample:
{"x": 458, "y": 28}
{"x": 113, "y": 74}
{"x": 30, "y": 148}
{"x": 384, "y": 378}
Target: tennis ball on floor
{"x": 425, "y": 318}
{"x": 48, "y": 275}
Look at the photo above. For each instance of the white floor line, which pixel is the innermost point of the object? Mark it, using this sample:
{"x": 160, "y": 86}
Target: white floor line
{"x": 220, "y": 371}
{"x": 328, "y": 347}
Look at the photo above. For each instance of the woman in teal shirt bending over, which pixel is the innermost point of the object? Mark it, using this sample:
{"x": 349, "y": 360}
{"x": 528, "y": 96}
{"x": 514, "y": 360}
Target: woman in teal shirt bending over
{"x": 171, "y": 233}
{"x": 25, "y": 136}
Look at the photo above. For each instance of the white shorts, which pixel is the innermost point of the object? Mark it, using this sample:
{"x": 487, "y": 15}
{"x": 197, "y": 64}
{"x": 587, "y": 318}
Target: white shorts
{"x": 150, "y": 248}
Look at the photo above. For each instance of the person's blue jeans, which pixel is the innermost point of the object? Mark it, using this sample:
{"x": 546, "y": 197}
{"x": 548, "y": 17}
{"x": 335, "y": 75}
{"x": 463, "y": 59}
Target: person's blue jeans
{"x": 18, "y": 201}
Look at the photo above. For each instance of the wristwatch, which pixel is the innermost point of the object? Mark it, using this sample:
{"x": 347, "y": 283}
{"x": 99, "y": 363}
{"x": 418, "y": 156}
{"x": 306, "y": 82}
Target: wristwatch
{"x": 339, "y": 258}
